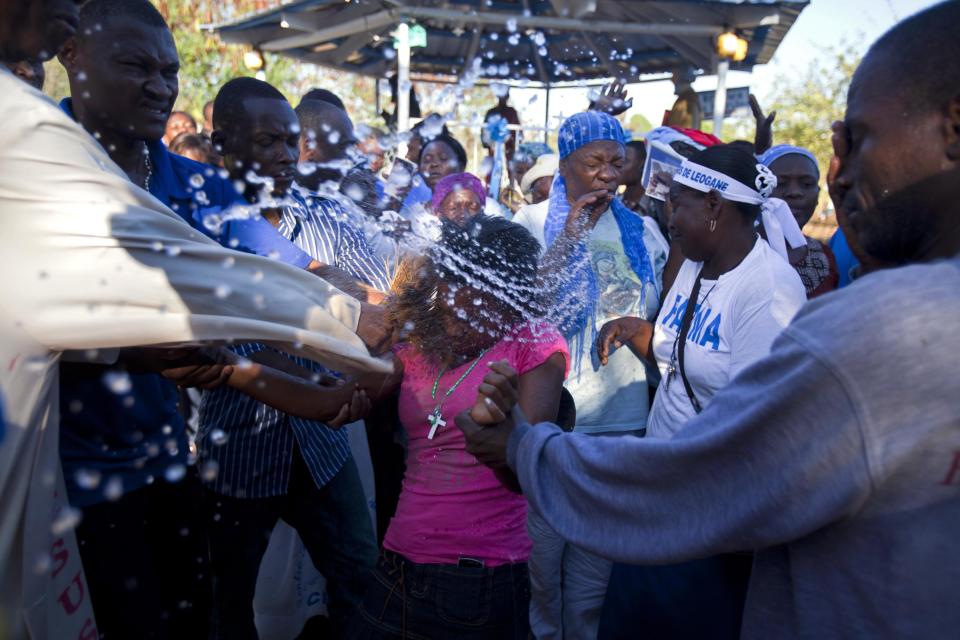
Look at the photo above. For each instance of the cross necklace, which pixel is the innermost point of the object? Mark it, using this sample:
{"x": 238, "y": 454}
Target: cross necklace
{"x": 436, "y": 418}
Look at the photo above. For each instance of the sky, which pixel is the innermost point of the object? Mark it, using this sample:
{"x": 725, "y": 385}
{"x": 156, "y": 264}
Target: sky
{"x": 823, "y": 23}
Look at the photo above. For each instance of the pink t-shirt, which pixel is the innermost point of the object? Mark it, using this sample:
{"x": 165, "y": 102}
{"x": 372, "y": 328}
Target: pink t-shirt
{"x": 451, "y": 505}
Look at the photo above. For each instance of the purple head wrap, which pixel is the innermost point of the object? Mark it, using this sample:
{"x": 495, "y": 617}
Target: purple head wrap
{"x": 455, "y": 181}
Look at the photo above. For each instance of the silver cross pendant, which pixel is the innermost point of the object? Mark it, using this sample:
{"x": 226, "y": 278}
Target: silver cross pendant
{"x": 436, "y": 421}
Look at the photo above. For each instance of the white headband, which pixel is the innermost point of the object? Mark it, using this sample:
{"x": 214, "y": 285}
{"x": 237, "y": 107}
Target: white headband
{"x": 704, "y": 179}
{"x": 778, "y": 222}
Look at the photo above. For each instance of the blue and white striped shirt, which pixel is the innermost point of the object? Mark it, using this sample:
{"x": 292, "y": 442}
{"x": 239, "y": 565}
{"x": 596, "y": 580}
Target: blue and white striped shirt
{"x": 320, "y": 227}
{"x": 249, "y": 444}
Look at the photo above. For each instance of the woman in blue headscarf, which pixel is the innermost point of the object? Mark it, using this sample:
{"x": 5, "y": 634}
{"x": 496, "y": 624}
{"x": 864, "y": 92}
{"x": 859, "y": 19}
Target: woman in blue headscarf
{"x": 600, "y": 263}
{"x": 798, "y": 184}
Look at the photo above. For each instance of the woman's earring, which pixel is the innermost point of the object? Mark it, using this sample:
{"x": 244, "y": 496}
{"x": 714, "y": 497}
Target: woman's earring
{"x": 713, "y": 225}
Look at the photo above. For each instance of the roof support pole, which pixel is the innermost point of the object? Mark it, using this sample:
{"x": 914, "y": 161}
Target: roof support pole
{"x": 546, "y": 118}
{"x": 403, "y": 80}
{"x": 720, "y": 97}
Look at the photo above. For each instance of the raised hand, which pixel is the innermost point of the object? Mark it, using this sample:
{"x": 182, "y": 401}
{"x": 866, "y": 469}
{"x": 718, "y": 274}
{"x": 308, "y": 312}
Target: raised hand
{"x": 763, "y": 139}
{"x": 612, "y": 99}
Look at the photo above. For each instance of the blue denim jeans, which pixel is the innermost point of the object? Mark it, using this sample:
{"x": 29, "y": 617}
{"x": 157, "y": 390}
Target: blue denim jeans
{"x": 333, "y": 523}
{"x": 437, "y": 601}
{"x": 568, "y": 585}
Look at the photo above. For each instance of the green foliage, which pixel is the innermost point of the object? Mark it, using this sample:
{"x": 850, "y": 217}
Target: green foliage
{"x": 809, "y": 102}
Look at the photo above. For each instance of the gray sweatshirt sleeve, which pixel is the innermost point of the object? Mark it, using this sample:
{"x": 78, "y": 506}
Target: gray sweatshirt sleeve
{"x": 777, "y": 454}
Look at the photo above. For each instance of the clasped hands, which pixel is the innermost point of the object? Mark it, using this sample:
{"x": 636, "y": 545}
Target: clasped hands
{"x": 488, "y": 424}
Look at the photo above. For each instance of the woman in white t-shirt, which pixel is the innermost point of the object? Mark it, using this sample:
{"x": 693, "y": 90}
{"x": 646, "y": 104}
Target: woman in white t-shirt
{"x": 745, "y": 294}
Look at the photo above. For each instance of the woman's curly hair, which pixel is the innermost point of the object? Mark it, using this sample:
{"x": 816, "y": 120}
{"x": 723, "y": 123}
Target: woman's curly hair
{"x": 487, "y": 253}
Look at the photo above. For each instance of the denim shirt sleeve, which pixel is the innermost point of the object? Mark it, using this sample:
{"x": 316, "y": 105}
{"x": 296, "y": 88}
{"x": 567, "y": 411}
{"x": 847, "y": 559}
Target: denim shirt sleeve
{"x": 256, "y": 235}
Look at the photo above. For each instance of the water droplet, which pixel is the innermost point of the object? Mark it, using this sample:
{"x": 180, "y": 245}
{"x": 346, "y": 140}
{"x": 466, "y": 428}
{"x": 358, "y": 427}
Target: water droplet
{"x": 87, "y": 478}
{"x": 219, "y": 437}
{"x": 354, "y": 192}
{"x": 66, "y": 520}
{"x": 512, "y": 25}
{"x": 113, "y": 488}
{"x": 514, "y": 40}
{"x": 306, "y": 168}
{"x": 117, "y": 381}
{"x": 209, "y": 470}
{"x": 222, "y": 291}
{"x": 175, "y": 473}
{"x": 173, "y": 251}
{"x": 228, "y": 262}
{"x": 257, "y": 276}
{"x": 196, "y": 181}
{"x": 156, "y": 245}
{"x": 43, "y": 563}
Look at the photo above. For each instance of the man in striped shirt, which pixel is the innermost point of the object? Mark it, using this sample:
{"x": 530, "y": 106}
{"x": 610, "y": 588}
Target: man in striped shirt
{"x": 260, "y": 464}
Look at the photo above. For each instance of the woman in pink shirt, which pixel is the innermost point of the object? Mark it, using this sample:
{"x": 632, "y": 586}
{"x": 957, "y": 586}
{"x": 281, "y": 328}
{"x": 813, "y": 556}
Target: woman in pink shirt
{"x": 454, "y": 557}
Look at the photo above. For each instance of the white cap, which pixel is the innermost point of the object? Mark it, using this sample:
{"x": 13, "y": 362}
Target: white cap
{"x": 546, "y": 166}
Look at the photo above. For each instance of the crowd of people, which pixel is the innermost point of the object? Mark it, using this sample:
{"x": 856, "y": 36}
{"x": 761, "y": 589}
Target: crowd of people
{"x": 597, "y": 400}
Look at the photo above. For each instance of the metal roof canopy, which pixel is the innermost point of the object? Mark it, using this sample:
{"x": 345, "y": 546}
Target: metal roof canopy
{"x": 542, "y": 41}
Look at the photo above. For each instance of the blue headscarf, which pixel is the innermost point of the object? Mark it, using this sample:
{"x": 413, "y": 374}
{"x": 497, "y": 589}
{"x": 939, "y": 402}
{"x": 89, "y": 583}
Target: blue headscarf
{"x": 578, "y": 294}
{"x": 773, "y": 154}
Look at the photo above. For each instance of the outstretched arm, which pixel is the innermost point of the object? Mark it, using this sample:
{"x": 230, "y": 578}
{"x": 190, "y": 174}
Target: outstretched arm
{"x": 94, "y": 262}
{"x": 756, "y": 468}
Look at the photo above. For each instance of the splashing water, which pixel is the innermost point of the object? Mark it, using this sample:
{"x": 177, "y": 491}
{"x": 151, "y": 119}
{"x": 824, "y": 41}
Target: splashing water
{"x": 117, "y": 382}
{"x": 66, "y": 521}
{"x": 113, "y": 489}
{"x": 87, "y": 478}
{"x": 175, "y": 473}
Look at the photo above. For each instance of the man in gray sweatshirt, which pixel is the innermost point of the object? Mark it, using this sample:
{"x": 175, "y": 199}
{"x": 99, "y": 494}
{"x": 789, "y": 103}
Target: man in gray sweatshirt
{"x": 836, "y": 458}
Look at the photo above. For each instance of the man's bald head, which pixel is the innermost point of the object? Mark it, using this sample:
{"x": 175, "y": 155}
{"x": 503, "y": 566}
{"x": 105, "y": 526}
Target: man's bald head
{"x": 96, "y": 14}
{"x": 902, "y": 126}
{"x": 916, "y": 60}
{"x": 326, "y": 131}
{"x": 35, "y": 29}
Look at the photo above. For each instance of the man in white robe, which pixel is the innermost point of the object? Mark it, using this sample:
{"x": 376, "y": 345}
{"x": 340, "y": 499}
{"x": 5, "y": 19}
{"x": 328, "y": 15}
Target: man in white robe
{"x": 92, "y": 262}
